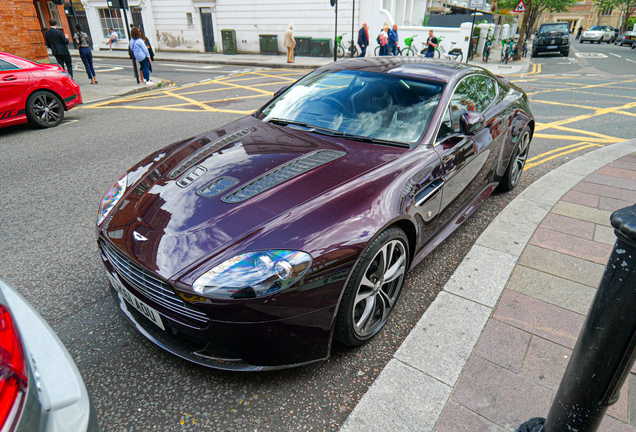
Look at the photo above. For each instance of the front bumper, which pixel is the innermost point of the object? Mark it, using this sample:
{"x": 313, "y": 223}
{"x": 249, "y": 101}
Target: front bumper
{"x": 597, "y": 38}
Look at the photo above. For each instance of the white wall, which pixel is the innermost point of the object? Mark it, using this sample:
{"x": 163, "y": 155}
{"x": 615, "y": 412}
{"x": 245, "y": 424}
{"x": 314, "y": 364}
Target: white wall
{"x": 171, "y": 26}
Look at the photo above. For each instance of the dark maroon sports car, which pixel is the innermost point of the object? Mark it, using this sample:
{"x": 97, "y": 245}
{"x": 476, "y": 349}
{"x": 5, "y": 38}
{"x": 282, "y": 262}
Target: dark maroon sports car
{"x": 252, "y": 246}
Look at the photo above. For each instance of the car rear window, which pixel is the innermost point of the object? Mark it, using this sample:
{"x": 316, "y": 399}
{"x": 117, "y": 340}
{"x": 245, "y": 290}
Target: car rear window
{"x": 554, "y": 28}
{"x": 367, "y": 104}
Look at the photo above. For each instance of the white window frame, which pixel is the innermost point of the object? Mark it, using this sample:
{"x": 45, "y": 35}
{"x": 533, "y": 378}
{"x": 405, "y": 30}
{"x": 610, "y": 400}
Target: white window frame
{"x": 53, "y": 12}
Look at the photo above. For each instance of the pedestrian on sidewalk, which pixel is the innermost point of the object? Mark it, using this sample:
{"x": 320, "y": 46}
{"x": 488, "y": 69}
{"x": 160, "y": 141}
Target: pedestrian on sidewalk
{"x": 383, "y": 40}
{"x": 139, "y": 50}
{"x": 58, "y": 42}
{"x": 393, "y": 40}
{"x": 578, "y": 32}
{"x": 81, "y": 39}
{"x": 290, "y": 43}
{"x": 149, "y": 47}
{"x": 114, "y": 37}
{"x": 431, "y": 44}
{"x": 363, "y": 39}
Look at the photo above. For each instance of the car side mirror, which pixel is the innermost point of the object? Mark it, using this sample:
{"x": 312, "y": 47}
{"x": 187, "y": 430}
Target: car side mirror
{"x": 471, "y": 122}
{"x": 280, "y": 91}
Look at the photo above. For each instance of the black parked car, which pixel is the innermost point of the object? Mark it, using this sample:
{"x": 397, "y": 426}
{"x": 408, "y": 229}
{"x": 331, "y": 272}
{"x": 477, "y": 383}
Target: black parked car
{"x": 552, "y": 38}
{"x": 628, "y": 38}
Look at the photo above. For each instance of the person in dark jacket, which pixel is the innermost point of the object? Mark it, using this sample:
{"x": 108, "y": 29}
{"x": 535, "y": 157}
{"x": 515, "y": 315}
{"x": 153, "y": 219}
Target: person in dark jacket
{"x": 81, "y": 39}
{"x": 363, "y": 39}
{"x": 150, "y": 51}
{"x": 58, "y": 42}
{"x": 393, "y": 40}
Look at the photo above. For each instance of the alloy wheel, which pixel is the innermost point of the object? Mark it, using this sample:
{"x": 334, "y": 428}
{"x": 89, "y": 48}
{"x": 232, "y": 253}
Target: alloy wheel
{"x": 379, "y": 288}
{"x": 520, "y": 160}
{"x": 47, "y": 109}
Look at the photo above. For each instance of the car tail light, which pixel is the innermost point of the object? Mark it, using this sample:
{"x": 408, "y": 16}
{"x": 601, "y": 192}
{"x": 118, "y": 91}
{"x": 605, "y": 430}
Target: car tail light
{"x": 13, "y": 370}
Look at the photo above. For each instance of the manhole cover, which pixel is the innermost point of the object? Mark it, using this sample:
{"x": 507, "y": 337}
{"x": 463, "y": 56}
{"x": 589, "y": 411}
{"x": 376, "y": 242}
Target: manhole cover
{"x": 590, "y": 55}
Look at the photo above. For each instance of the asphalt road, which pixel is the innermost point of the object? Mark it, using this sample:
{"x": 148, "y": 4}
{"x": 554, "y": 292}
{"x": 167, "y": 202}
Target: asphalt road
{"x": 52, "y": 182}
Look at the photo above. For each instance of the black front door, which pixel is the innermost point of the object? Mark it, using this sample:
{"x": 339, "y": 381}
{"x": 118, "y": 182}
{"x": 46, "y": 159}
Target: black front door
{"x": 137, "y": 21}
{"x": 208, "y": 32}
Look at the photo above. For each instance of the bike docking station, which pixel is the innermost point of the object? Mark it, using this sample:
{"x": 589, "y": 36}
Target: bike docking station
{"x": 605, "y": 349}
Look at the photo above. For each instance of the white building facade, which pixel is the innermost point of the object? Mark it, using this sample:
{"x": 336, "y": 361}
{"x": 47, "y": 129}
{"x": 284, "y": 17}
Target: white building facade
{"x": 195, "y": 25}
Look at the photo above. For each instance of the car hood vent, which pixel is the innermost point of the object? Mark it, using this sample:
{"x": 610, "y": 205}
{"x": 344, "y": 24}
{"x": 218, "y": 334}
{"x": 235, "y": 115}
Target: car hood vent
{"x": 217, "y": 186}
{"x": 282, "y": 173}
{"x": 206, "y": 151}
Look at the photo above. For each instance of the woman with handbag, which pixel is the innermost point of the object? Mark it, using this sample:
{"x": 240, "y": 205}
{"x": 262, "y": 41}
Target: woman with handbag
{"x": 384, "y": 40}
{"x": 140, "y": 51}
{"x": 81, "y": 39}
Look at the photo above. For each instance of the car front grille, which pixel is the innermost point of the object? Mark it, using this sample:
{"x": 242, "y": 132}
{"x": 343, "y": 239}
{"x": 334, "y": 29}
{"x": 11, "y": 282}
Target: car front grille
{"x": 150, "y": 285}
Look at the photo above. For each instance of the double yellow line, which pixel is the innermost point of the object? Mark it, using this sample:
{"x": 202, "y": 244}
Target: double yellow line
{"x": 561, "y": 151}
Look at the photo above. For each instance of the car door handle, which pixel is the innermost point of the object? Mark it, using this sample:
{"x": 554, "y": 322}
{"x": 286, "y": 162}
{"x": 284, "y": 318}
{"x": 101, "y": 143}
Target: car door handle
{"x": 10, "y": 78}
{"x": 428, "y": 192}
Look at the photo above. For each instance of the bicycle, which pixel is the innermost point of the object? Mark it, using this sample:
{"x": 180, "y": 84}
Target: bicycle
{"x": 376, "y": 52}
{"x": 408, "y": 50}
{"x": 510, "y": 51}
{"x": 455, "y": 54}
{"x": 487, "y": 47}
{"x": 345, "y": 51}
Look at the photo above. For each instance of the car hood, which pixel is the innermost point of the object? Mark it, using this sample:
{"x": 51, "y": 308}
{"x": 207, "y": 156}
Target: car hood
{"x": 221, "y": 186}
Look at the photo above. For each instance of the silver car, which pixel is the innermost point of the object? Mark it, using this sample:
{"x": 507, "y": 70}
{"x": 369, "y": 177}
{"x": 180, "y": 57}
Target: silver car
{"x": 598, "y": 34}
{"x": 41, "y": 388}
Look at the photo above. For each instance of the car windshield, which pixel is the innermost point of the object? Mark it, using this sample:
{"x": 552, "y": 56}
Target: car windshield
{"x": 554, "y": 28}
{"x": 630, "y": 34}
{"x": 359, "y": 104}
{"x": 597, "y": 28}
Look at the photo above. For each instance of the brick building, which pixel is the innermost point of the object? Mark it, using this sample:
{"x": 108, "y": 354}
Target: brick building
{"x": 585, "y": 13}
{"x": 24, "y": 23}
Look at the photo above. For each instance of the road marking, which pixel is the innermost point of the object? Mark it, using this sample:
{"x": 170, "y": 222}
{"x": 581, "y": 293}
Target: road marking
{"x": 192, "y": 70}
{"x": 109, "y": 70}
{"x": 590, "y": 55}
{"x": 65, "y": 122}
{"x": 574, "y": 148}
{"x": 615, "y": 55}
{"x": 204, "y": 80}
{"x": 630, "y": 60}
{"x": 567, "y": 105}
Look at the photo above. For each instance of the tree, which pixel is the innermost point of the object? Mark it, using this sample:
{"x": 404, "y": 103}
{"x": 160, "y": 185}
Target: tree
{"x": 537, "y": 7}
{"x": 625, "y": 6}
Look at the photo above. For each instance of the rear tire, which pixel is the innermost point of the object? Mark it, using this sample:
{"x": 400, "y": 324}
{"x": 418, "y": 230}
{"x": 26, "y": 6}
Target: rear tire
{"x": 376, "y": 51}
{"x": 44, "y": 109}
{"x": 459, "y": 58}
{"x": 341, "y": 52}
{"x": 437, "y": 55}
{"x": 408, "y": 52}
{"x": 369, "y": 299}
{"x": 517, "y": 161}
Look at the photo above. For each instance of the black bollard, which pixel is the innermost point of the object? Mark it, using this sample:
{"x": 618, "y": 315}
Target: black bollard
{"x": 604, "y": 352}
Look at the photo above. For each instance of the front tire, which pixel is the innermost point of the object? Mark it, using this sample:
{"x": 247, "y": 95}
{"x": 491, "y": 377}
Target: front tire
{"x": 376, "y": 52}
{"x": 437, "y": 54}
{"x": 408, "y": 52}
{"x": 517, "y": 161}
{"x": 373, "y": 288}
{"x": 341, "y": 52}
{"x": 44, "y": 109}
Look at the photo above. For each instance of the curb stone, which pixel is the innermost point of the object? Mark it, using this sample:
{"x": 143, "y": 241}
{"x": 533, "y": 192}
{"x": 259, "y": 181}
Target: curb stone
{"x": 417, "y": 372}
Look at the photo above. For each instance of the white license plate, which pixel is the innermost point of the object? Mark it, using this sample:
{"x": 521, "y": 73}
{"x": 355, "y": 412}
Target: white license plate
{"x": 142, "y": 307}
{"x": 552, "y": 47}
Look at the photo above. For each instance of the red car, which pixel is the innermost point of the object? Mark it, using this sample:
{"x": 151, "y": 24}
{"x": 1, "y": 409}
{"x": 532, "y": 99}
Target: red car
{"x": 34, "y": 92}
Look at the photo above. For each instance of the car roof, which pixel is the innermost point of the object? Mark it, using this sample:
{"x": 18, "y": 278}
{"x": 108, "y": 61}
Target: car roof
{"x": 429, "y": 69}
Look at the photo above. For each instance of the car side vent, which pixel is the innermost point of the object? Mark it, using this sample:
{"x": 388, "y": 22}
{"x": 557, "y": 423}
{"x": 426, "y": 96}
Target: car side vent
{"x": 217, "y": 186}
{"x": 206, "y": 151}
{"x": 282, "y": 173}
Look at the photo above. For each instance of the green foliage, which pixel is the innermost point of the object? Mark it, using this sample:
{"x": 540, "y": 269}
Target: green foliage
{"x": 476, "y": 32}
{"x": 425, "y": 20}
{"x": 625, "y": 6}
{"x": 541, "y": 5}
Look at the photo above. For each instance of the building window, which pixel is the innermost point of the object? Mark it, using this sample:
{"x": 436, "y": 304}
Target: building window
{"x": 54, "y": 13}
{"x": 112, "y": 18}
{"x": 607, "y": 11}
{"x": 189, "y": 19}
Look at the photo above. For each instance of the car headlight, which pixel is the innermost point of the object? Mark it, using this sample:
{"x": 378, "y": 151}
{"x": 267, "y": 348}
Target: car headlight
{"x": 253, "y": 274}
{"x": 111, "y": 198}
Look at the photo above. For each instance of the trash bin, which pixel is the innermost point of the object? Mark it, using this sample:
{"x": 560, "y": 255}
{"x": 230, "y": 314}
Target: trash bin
{"x": 229, "y": 41}
{"x": 321, "y": 48}
{"x": 269, "y": 44}
{"x": 303, "y": 46}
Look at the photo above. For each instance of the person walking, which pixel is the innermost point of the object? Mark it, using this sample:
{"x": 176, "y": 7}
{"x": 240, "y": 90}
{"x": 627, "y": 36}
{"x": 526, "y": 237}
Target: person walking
{"x": 114, "y": 37}
{"x": 139, "y": 50}
{"x": 393, "y": 40}
{"x": 363, "y": 39}
{"x": 383, "y": 39}
{"x": 81, "y": 39}
{"x": 578, "y": 32}
{"x": 431, "y": 44}
{"x": 290, "y": 43}
{"x": 58, "y": 42}
{"x": 151, "y": 53}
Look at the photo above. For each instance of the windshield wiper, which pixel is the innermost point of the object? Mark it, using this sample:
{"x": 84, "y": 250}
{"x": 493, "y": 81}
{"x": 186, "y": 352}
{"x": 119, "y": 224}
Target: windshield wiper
{"x": 310, "y": 128}
{"x": 375, "y": 140}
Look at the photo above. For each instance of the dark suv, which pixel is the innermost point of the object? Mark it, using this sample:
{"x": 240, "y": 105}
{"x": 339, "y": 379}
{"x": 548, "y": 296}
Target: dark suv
{"x": 552, "y": 38}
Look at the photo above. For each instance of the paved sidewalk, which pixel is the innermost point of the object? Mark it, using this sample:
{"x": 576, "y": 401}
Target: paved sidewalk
{"x": 495, "y": 65}
{"x": 490, "y": 351}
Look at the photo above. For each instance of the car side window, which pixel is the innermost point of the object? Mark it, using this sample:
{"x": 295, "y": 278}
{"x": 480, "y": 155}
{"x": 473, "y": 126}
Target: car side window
{"x": 473, "y": 93}
{"x": 447, "y": 127}
{"x": 5, "y": 66}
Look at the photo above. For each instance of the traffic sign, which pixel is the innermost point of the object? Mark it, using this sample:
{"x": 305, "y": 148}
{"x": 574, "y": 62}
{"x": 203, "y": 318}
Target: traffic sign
{"x": 474, "y": 4}
{"x": 521, "y": 7}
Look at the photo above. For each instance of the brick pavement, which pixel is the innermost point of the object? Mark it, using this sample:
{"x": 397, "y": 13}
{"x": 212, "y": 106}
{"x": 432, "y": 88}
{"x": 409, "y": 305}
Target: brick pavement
{"x": 517, "y": 364}
{"x": 489, "y": 352}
